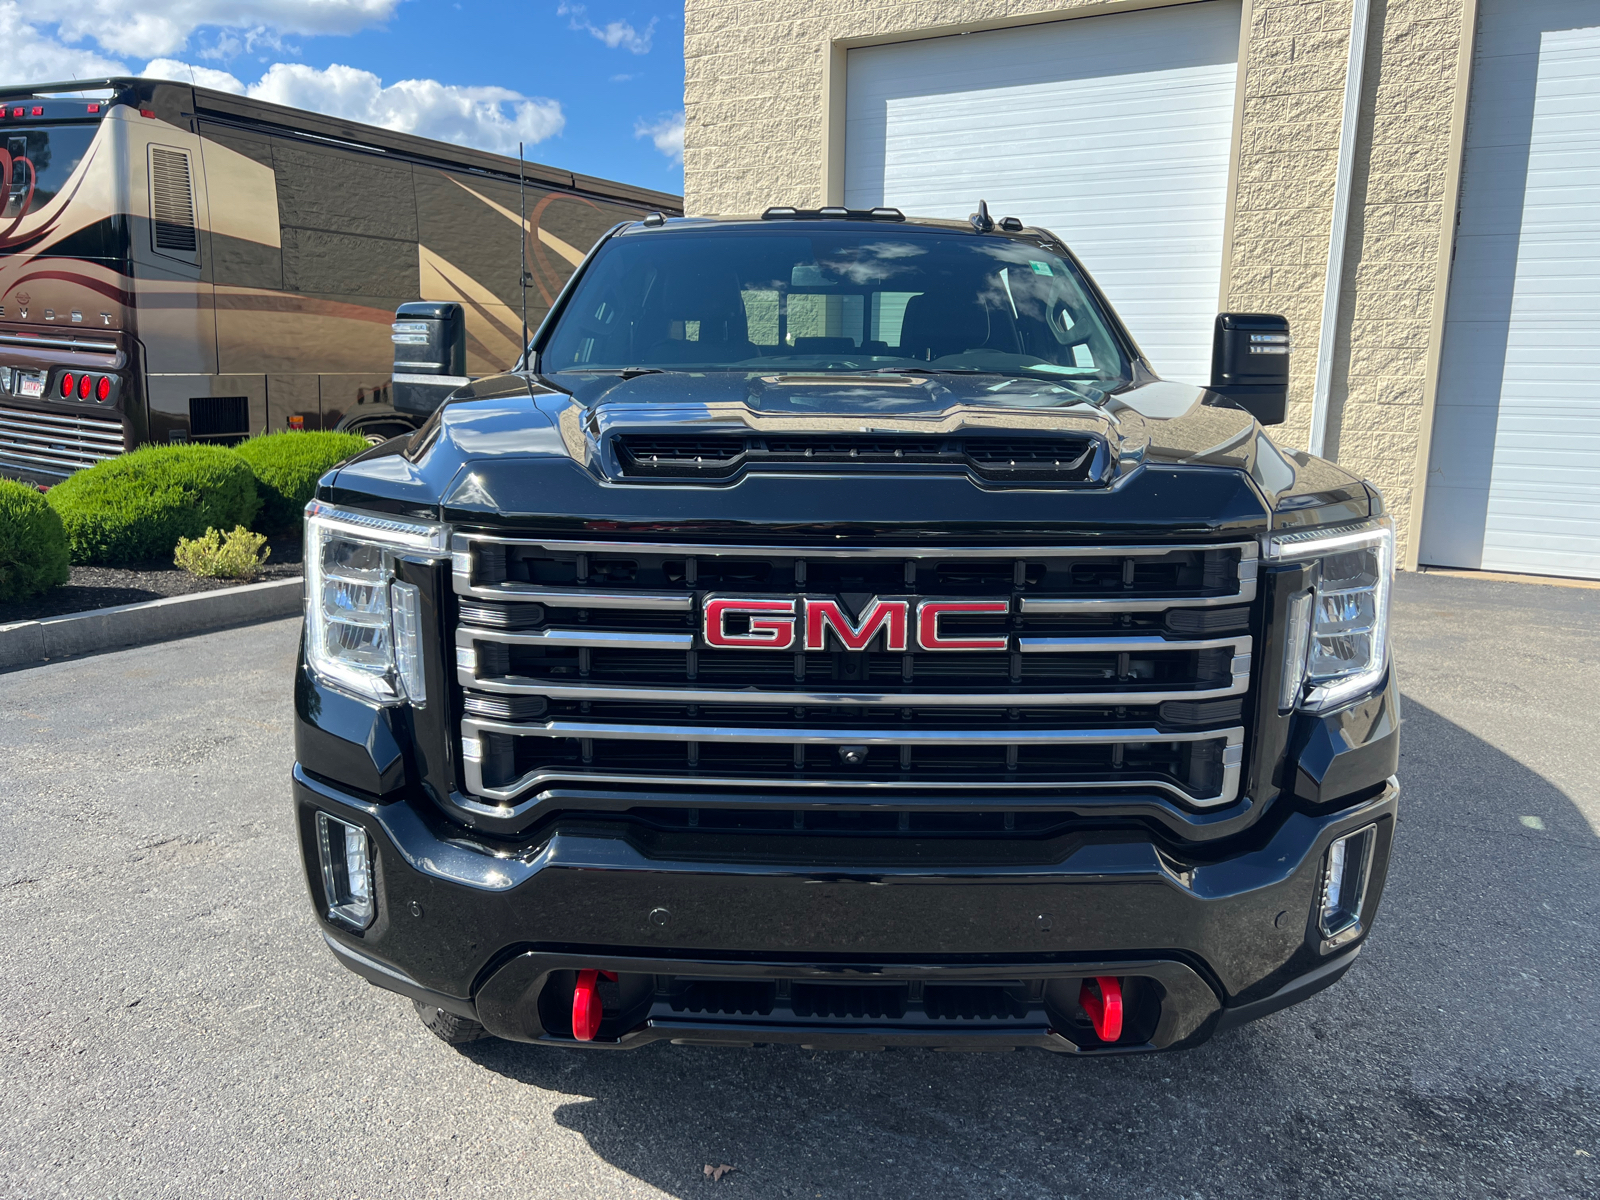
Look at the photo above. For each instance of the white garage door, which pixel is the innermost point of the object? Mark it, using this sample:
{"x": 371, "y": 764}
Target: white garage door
{"x": 1112, "y": 131}
{"x": 1514, "y": 474}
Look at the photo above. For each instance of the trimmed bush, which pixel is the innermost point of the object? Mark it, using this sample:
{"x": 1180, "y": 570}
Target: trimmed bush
{"x": 134, "y": 508}
{"x": 217, "y": 555}
{"x": 287, "y": 467}
{"x": 33, "y": 545}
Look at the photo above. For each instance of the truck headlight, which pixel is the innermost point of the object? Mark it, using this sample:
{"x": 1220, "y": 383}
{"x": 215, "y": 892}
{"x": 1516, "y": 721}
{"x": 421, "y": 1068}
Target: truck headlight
{"x": 1336, "y": 645}
{"x": 364, "y": 626}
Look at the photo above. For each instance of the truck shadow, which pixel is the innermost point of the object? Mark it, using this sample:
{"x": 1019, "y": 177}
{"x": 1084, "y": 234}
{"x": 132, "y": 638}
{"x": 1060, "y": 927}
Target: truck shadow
{"x": 1463, "y": 1018}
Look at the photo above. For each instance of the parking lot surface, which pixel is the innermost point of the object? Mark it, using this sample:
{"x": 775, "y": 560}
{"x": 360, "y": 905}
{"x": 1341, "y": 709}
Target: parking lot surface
{"x": 173, "y": 1024}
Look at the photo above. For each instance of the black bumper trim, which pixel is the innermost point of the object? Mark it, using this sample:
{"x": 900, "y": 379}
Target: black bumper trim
{"x": 384, "y": 976}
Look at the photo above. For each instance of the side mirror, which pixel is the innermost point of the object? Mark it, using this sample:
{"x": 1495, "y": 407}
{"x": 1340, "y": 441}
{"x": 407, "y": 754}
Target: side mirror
{"x": 1250, "y": 363}
{"x": 430, "y": 354}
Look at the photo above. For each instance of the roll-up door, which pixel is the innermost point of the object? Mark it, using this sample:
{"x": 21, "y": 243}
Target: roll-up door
{"x": 1514, "y": 471}
{"x": 1112, "y": 131}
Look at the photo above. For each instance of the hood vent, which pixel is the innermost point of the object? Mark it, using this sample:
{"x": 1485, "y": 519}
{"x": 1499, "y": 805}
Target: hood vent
{"x": 712, "y": 457}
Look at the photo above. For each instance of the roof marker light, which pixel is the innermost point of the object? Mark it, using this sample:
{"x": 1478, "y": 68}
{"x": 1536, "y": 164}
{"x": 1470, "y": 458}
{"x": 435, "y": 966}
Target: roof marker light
{"x": 85, "y": 382}
{"x": 94, "y": 108}
{"x": 102, "y": 390}
{"x": 66, "y": 385}
{"x": 38, "y": 110}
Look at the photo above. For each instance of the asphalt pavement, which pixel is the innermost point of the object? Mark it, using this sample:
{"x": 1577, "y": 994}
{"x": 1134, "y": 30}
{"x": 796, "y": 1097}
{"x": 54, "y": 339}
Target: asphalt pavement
{"x": 173, "y": 1026}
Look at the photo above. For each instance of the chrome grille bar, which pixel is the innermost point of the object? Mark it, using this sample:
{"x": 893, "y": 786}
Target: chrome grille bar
{"x": 467, "y": 675}
{"x": 473, "y": 729}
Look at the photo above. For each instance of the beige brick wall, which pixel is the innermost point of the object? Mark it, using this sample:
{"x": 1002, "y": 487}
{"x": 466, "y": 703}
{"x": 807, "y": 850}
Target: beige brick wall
{"x": 755, "y": 134}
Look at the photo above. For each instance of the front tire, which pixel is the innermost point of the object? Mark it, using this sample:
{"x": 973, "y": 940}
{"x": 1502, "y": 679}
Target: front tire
{"x": 448, "y": 1027}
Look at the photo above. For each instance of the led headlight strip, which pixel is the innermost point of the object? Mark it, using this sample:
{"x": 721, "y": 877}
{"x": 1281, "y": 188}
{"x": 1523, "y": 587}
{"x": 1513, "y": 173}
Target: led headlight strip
{"x": 364, "y": 626}
{"x": 1336, "y": 643}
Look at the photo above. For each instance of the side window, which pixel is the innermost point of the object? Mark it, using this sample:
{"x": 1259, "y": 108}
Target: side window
{"x": 172, "y": 225}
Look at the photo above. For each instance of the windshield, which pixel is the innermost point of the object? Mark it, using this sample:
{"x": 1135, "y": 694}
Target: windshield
{"x": 821, "y": 300}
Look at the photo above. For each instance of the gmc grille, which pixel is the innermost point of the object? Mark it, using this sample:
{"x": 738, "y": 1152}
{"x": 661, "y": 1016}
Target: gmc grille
{"x": 583, "y": 664}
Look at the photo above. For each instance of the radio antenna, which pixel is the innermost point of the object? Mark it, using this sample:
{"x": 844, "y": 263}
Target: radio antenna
{"x": 522, "y": 261}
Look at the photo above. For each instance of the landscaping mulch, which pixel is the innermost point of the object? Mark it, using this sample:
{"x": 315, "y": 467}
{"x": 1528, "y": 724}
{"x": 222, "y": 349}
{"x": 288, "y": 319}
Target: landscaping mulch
{"x": 106, "y": 587}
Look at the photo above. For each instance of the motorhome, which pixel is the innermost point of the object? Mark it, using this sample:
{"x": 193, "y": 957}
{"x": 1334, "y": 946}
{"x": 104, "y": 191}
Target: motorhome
{"x": 181, "y": 264}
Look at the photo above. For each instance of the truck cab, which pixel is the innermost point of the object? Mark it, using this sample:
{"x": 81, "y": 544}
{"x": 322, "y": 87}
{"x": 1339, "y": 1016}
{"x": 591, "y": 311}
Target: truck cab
{"x": 836, "y": 632}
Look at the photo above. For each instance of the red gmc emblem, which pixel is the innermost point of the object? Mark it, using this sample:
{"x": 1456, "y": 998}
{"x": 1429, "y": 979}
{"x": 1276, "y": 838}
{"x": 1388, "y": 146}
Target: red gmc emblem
{"x": 820, "y": 623}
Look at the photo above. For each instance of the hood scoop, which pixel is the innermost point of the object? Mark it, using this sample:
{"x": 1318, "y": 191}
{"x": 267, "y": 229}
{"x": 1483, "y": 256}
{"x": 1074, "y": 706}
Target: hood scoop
{"x": 711, "y": 457}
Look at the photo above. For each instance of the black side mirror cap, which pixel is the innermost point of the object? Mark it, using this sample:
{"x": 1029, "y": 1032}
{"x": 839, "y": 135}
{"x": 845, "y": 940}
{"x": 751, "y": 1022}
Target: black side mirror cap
{"x": 1250, "y": 363}
{"x": 430, "y": 354}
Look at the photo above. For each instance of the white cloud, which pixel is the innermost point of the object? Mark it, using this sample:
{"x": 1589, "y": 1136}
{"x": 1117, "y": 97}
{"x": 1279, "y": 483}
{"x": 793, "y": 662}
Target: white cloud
{"x": 206, "y": 77}
{"x": 667, "y": 134}
{"x": 32, "y": 57}
{"x": 612, "y": 33}
{"x": 136, "y": 29}
{"x": 488, "y": 118}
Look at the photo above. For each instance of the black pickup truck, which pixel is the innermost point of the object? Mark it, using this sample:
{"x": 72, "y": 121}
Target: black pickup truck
{"x": 833, "y": 632}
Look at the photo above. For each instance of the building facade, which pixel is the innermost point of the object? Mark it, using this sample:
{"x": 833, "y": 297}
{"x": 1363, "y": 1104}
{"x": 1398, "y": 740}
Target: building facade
{"x": 1415, "y": 184}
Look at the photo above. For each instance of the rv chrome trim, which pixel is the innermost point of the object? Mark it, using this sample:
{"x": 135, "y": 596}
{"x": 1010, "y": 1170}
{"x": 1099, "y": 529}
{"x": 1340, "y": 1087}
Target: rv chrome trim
{"x": 454, "y": 381}
{"x": 58, "y": 343}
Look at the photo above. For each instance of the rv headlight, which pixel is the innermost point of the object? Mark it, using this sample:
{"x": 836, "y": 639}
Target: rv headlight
{"x": 364, "y": 626}
{"x": 1337, "y": 644}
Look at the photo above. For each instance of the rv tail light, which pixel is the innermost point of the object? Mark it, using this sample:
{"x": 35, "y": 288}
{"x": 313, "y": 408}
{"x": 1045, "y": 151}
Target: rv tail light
{"x": 1344, "y": 887}
{"x": 67, "y": 381}
{"x": 102, "y": 390}
{"x": 84, "y": 384}
{"x": 346, "y": 872}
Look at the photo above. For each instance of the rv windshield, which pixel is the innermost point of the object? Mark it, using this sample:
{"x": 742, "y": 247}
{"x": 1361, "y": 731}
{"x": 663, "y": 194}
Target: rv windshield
{"x": 36, "y": 163}
{"x": 852, "y": 300}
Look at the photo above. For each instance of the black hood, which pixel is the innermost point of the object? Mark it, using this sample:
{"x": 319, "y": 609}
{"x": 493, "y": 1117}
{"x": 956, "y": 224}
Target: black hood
{"x": 1170, "y": 457}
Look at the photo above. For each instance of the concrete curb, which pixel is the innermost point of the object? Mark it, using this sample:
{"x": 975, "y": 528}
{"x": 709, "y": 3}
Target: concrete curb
{"x": 27, "y": 643}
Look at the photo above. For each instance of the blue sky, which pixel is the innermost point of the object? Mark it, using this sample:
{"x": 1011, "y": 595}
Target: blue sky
{"x": 594, "y": 87}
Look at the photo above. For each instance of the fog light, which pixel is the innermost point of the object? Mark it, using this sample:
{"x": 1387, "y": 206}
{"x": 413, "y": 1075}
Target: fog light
{"x": 346, "y": 871}
{"x": 1344, "y": 887}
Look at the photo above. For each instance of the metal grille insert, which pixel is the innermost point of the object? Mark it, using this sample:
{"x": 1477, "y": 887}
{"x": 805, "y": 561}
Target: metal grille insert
{"x": 583, "y": 664}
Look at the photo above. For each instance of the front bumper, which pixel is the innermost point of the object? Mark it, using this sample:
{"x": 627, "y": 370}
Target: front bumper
{"x": 746, "y": 948}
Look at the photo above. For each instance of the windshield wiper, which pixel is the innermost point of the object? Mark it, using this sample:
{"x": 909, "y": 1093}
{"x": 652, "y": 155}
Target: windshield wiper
{"x": 934, "y": 371}
{"x": 623, "y": 372}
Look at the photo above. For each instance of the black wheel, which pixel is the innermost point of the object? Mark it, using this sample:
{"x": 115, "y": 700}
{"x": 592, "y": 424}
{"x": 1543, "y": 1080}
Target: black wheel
{"x": 447, "y": 1026}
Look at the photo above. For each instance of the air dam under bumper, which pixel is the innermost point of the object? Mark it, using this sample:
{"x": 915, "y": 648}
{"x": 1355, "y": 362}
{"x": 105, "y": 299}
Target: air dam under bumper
{"x": 849, "y": 957}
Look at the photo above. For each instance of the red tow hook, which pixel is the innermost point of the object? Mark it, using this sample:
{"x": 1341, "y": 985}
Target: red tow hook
{"x": 586, "y": 1012}
{"x": 1103, "y": 1003}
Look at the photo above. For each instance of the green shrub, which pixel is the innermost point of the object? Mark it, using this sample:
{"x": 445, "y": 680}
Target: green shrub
{"x": 217, "y": 555}
{"x": 287, "y": 467}
{"x": 135, "y": 507}
{"x": 33, "y": 546}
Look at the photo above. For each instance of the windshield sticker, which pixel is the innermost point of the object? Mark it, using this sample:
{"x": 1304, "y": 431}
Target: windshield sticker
{"x": 1040, "y": 268}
